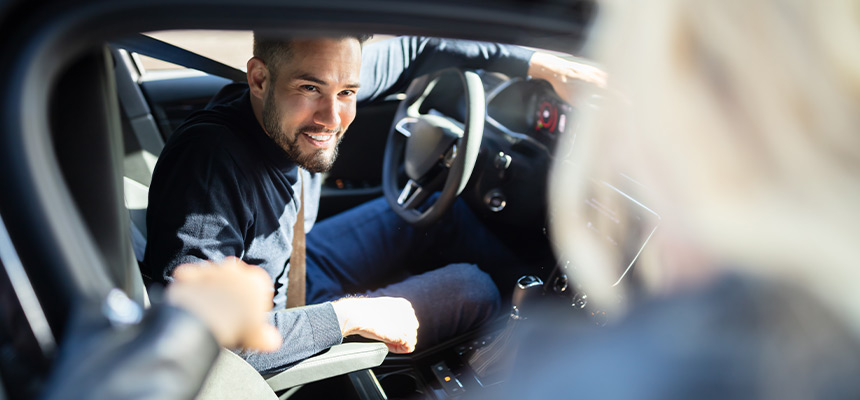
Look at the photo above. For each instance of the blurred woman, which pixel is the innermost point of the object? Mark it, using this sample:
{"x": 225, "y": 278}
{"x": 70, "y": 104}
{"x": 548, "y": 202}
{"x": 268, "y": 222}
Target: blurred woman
{"x": 740, "y": 125}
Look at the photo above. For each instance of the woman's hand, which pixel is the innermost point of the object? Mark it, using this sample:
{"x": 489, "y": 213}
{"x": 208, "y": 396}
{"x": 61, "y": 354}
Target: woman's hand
{"x": 231, "y": 298}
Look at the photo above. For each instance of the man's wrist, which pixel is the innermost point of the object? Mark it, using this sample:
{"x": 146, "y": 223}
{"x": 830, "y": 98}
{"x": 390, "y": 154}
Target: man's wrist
{"x": 344, "y": 308}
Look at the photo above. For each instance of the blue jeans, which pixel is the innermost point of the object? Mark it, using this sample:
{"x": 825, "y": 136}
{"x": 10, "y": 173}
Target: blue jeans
{"x": 371, "y": 251}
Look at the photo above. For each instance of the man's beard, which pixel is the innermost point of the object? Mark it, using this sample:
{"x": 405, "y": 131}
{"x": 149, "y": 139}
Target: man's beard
{"x": 315, "y": 161}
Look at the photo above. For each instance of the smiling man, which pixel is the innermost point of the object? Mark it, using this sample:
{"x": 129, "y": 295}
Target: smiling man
{"x": 236, "y": 178}
{"x": 309, "y": 102}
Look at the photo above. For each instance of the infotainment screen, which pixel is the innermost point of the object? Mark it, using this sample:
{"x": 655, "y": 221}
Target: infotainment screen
{"x": 619, "y": 221}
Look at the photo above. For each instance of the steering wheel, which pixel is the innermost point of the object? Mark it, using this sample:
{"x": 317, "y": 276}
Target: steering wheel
{"x": 436, "y": 152}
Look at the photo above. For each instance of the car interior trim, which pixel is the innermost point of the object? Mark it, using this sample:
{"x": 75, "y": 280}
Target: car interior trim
{"x": 26, "y": 295}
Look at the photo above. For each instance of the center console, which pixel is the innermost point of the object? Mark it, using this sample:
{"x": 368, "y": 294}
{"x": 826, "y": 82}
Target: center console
{"x": 470, "y": 364}
{"x": 477, "y": 364}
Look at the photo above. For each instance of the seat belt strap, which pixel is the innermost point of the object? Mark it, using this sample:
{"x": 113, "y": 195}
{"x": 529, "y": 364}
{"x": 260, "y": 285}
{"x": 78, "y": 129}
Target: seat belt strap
{"x": 152, "y": 47}
{"x": 296, "y": 275}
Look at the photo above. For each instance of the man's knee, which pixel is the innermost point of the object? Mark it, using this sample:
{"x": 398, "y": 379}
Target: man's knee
{"x": 473, "y": 287}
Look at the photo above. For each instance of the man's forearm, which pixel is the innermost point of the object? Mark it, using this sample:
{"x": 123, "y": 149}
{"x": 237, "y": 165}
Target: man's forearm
{"x": 306, "y": 331}
{"x": 389, "y": 66}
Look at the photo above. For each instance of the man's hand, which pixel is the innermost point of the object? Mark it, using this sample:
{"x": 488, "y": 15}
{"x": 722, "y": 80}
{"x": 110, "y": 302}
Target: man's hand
{"x": 231, "y": 298}
{"x": 565, "y": 76}
{"x": 387, "y": 319}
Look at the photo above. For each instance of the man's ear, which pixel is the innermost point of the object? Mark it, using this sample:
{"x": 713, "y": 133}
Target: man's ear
{"x": 258, "y": 77}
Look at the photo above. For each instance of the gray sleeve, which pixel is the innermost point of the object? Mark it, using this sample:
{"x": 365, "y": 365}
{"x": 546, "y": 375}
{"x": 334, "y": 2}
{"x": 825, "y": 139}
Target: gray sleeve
{"x": 387, "y": 67}
{"x": 201, "y": 213}
{"x": 306, "y": 331}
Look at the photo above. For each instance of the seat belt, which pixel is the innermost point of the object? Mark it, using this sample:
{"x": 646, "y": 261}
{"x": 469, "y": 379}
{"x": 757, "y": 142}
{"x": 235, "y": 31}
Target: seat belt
{"x": 296, "y": 275}
{"x": 152, "y": 47}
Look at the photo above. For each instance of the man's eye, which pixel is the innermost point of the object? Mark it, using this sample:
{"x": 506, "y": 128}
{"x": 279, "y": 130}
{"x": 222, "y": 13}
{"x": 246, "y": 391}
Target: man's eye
{"x": 348, "y": 93}
{"x": 309, "y": 88}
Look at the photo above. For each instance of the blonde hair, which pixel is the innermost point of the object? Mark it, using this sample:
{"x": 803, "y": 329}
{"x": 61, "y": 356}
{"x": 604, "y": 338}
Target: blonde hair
{"x": 744, "y": 127}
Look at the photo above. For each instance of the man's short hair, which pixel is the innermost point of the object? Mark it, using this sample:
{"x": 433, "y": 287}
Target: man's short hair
{"x": 275, "y": 49}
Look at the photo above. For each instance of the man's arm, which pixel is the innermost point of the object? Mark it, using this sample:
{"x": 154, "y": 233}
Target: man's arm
{"x": 198, "y": 209}
{"x": 389, "y": 66}
{"x": 564, "y": 75}
{"x": 388, "y": 319}
{"x": 306, "y": 331}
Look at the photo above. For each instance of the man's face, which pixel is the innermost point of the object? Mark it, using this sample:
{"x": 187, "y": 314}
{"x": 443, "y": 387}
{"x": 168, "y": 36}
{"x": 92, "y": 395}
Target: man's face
{"x": 311, "y": 101}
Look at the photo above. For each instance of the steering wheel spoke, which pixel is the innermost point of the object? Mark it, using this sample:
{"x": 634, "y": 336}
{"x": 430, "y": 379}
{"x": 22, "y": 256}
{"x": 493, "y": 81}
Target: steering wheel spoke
{"x": 412, "y": 195}
{"x": 405, "y": 125}
{"x": 450, "y": 156}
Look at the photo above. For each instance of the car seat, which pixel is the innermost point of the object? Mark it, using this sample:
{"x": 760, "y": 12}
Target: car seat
{"x": 231, "y": 377}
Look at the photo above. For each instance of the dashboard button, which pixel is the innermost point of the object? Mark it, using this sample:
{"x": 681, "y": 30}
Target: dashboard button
{"x": 580, "y": 300}
{"x": 559, "y": 284}
{"x": 495, "y": 200}
{"x": 502, "y": 161}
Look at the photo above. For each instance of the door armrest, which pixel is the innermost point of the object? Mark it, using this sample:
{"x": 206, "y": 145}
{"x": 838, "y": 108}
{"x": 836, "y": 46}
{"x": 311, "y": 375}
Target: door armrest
{"x": 231, "y": 377}
{"x": 338, "y": 360}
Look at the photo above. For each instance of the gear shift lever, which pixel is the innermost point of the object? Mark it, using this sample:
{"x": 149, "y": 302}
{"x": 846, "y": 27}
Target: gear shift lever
{"x": 527, "y": 286}
{"x": 493, "y": 362}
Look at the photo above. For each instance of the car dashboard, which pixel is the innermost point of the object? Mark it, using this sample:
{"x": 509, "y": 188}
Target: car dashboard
{"x": 524, "y": 121}
{"x": 545, "y": 118}
{"x": 524, "y": 124}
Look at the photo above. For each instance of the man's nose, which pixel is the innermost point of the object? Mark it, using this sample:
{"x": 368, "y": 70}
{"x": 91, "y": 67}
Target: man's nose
{"x": 328, "y": 113}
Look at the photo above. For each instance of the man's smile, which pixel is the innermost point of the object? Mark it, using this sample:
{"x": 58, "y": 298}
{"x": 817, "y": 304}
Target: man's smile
{"x": 320, "y": 139}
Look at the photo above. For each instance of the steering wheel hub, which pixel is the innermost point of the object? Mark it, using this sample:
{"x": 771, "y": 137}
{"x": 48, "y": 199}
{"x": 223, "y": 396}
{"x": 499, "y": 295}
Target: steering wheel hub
{"x": 431, "y": 138}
